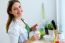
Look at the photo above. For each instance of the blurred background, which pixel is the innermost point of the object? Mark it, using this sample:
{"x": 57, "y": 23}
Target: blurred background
{"x": 35, "y": 11}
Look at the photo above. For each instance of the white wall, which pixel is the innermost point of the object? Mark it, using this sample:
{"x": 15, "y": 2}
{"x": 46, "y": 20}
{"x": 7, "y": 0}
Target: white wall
{"x": 63, "y": 17}
{"x": 58, "y": 8}
{"x": 3, "y": 17}
{"x": 50, "y": 10}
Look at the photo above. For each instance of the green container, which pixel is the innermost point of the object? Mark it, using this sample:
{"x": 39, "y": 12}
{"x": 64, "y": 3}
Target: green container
{"x": 42, "y": 32}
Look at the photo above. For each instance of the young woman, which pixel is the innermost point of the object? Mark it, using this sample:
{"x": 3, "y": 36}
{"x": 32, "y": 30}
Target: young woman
{"x": 15, "y": 27}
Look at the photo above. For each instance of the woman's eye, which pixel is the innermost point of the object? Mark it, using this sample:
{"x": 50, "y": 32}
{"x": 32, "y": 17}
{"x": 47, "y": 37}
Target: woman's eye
{"x": 15, "y": 9}
{"x": 19, "y": 6}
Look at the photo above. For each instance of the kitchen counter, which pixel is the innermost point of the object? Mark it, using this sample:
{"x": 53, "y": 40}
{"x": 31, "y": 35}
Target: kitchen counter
{"x": 42, "y": 41}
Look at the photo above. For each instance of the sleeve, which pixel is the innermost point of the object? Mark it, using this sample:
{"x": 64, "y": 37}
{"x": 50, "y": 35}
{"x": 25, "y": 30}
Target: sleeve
{"x": 14, "y": 35}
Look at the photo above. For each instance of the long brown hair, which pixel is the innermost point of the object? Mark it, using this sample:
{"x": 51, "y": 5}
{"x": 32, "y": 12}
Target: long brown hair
{"x": 10, "y": 16}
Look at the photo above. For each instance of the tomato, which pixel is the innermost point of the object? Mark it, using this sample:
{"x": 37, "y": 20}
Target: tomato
{"x": 57, "y": 42}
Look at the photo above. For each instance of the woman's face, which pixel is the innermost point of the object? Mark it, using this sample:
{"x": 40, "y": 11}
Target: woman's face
{"x": 16, "y": 10}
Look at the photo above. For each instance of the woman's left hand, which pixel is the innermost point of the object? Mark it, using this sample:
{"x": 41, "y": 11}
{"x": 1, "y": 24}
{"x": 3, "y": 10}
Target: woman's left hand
{"x": 33, "y": 28}
{"x": 36, "y": 36}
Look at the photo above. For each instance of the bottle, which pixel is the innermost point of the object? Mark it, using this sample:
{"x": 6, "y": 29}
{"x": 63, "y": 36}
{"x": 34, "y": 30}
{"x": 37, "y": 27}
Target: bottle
{"x": 46, "y": 31}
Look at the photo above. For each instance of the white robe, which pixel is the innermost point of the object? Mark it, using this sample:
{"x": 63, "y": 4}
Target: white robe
{"x": 17, "y": 32}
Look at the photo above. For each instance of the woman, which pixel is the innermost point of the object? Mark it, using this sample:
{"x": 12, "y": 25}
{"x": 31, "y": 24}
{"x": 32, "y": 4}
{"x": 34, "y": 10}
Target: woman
{"x": 15, "y": 27}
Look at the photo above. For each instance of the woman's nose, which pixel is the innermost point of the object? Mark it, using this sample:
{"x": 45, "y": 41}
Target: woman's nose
{"x": 20, "y": 10}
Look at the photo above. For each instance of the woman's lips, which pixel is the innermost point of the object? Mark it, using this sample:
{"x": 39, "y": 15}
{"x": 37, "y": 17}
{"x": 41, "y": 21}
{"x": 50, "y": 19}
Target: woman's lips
{"x": 19, "y": 13}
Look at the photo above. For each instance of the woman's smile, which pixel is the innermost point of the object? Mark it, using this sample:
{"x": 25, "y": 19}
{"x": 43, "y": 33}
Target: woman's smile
{"x": 19, "y": 13}
{"x": 17, "y": 10}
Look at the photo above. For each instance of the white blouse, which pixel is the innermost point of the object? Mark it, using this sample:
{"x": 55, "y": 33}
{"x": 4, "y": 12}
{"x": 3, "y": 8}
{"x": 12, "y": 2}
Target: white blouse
{"x": 17, "y": 32}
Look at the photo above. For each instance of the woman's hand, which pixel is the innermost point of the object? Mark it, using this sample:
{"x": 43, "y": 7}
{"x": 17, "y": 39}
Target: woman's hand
{"x": 36, "y": 36}
{"x": 33, "y": 28}
{"x": 33, "y": 38}
{"x": 28, "y": 41}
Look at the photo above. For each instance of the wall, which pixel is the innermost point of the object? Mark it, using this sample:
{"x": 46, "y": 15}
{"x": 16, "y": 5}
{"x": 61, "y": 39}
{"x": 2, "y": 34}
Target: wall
{"x": 50, "y": 10}
{"x": 3, "y": 18}
{"x": 63, "y": 17}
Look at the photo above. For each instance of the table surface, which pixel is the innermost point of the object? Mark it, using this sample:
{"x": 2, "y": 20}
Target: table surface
{"x": 42, "y": 41}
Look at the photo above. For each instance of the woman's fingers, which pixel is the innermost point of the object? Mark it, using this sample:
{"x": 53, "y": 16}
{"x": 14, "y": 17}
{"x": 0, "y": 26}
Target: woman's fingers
{"x": 33, "y": 28}
{"x": 37, "y": 36}
{"x": 28, "y": 41}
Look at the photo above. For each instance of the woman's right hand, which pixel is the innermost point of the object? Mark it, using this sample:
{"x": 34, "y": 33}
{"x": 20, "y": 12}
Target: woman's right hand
{"x": 33, "y": 38}
{"x": 28, "y": 41}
